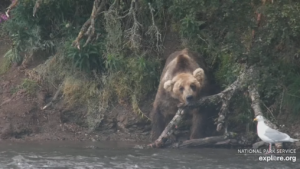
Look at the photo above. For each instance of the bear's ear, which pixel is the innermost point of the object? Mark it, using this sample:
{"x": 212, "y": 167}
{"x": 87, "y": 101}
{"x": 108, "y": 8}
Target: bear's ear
{"x": 199, "y": 75}
{"x": 168, "y": 85}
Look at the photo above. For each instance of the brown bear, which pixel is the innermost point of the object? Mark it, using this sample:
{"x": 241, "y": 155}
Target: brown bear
{"x": 181, "y": 83}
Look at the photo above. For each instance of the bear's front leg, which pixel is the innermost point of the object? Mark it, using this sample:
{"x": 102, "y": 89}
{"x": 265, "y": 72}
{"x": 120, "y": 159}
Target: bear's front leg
{"x": 158, "y": 124}
{"x": 197, "y": 129}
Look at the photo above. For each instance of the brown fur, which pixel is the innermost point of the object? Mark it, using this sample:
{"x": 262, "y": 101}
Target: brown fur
{"x": 182, "y": 82}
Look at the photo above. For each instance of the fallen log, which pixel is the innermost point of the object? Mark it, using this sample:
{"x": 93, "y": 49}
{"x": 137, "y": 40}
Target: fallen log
{"x": 169, "y": 130}
{"x": 205, "y": 141}
{"x": 221, "y": 98}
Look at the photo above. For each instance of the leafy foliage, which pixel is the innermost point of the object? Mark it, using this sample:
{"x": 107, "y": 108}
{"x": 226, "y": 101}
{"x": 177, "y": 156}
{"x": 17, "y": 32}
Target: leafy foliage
{"x": 125, "y": 49}
{"x": 261, "y": 33}
{"x": 114, "y": 67}
{"x": 25, "y": 34}
{"x": 86, "y": 59}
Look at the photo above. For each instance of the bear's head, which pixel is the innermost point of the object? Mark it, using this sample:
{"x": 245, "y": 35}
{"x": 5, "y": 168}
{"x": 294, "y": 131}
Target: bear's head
{"x": 185, "y": 86}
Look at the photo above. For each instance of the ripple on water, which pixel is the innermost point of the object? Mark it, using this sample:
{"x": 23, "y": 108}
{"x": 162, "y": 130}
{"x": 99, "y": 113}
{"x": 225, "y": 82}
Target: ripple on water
{"x": 26, "y": 157}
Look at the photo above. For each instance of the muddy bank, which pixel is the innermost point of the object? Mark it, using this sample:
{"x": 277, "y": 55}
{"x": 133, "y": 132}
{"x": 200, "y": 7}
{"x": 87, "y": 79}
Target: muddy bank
{"x": 22, "y": 117}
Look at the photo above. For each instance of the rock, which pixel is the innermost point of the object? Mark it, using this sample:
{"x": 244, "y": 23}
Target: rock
{"x": 258, "y": 144}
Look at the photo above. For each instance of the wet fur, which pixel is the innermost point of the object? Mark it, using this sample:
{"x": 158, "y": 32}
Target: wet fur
{"x": 179, "y": 70}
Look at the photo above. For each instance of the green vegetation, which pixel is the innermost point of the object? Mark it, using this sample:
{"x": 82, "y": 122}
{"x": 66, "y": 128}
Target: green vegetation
{"x": 27, "y": 86}
{"x": 5, "y": 64}
{"x": 119, "y": 59}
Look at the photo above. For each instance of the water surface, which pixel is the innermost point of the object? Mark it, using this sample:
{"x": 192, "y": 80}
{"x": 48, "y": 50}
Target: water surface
{"x": 113, "y": 155}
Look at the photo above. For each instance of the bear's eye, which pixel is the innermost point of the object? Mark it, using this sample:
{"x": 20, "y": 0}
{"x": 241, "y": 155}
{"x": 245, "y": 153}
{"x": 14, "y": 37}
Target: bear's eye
{"x": 181, "y": 88}
{"x": 193, "y": 87}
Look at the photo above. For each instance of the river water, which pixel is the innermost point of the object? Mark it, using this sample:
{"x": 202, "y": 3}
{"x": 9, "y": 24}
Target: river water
{"x": 111, "y": 155}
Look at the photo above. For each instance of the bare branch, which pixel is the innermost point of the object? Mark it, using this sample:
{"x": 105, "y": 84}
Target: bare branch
{"x": 132, "y": 33}
{"x": 222, "y": 98}
{"x": 255, "y": 98}
{"x": 81, "y": 33}
{"x": 88, "y": 28}
{"x": 36, "y": 6}
{"x": 254, "y": 95}
{"x": 153, "y": 29}
{"x": 11, "y": 6}
{"x": 54, "y": 97}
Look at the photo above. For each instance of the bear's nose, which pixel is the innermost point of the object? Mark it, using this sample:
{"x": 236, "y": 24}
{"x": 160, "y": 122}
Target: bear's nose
{"x": 189, "y": 98}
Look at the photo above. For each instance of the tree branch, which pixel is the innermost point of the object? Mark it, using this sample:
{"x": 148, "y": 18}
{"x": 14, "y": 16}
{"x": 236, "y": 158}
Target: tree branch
{"x": 132, "y": 33}
{"x": 153, "y": 29}
{"x": 54, "y": 97}
{"x": 222, "y": 98}
{"x": 11, "y": 6}
{"x": 88, "y": 27}
{"x": 255, "y": 98}
{"x": 169, "y": 130}
{"x": 36, "y": 6}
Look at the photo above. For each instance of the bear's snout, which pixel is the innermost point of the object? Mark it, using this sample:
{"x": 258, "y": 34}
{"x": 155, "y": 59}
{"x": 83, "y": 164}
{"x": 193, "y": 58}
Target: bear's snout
{"x": 189, "y": 98}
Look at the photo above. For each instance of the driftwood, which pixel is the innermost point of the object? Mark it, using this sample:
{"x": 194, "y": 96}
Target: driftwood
{"x": 222, "y": 98}
{"x": 214, "y": 140}
{"x": 201, "y": 142}
{"x": 168, "y": 130}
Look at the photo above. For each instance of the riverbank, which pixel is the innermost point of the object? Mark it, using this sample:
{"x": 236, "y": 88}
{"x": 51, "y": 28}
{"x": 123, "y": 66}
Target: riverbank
{"x": 23, "y": 119}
